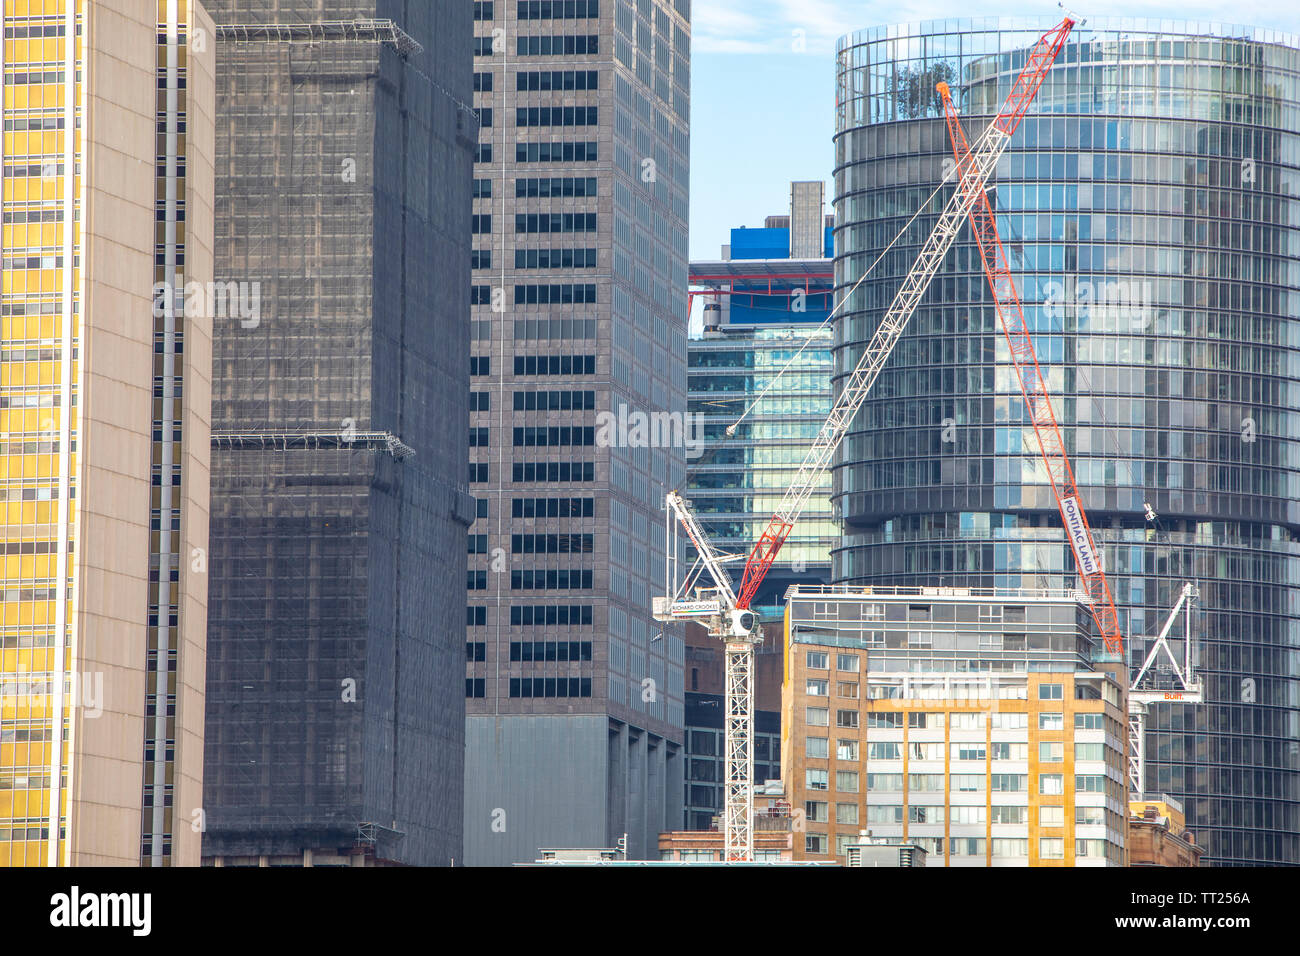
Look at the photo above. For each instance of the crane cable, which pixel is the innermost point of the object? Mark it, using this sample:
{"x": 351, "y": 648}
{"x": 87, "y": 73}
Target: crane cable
{"x": 731, "y": 429}
{"x": 1084, "y": 383}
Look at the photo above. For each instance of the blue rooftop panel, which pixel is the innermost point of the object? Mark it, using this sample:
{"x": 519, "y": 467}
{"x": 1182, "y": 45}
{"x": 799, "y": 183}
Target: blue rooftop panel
{"x": 760, "y": 243}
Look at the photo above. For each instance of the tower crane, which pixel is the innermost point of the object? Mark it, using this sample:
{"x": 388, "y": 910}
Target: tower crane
{"x": 714, "y": 602}
{"x": 1186, "y": 686}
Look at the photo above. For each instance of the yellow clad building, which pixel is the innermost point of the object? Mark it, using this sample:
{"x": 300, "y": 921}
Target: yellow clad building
{"x": 104, "y": 402}
{"x": 973, "y": 723}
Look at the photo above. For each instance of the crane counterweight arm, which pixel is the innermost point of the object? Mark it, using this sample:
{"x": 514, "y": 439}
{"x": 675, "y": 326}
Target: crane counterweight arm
{"x": 1038, "y": 402}
{"x": 710, "y": 559}
{"x": 974, "y": 169}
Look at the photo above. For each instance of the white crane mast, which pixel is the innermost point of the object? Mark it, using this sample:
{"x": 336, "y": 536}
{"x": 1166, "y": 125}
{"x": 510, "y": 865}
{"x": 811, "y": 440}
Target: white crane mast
{"x": 1188, "y": 688}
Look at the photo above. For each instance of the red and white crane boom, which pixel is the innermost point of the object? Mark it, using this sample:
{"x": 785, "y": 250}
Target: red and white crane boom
{"x": 971, "y": 183}
{"x": 728, "y": 617}
{"x": 1038, "y": 401}
{"x": 1087, "y": 557}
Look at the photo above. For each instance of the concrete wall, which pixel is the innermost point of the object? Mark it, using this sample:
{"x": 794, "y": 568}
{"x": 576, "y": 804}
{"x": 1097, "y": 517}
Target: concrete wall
{"x": 576, "y": 781}
{"x": 112, "y": 505}
{"x": 200, "y": 144}
{"x": 533, "y": 781}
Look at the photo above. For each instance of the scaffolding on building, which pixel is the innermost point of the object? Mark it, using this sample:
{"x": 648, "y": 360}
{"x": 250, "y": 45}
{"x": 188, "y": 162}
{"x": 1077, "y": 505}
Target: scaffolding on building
{"x": 374, "y": 31}
{"x": 323, "y": 518}
{"x": 283, "y": 441}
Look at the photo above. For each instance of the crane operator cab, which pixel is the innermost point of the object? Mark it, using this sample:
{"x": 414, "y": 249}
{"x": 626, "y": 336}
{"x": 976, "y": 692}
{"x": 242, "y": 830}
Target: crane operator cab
{"x": 743, "y": 622}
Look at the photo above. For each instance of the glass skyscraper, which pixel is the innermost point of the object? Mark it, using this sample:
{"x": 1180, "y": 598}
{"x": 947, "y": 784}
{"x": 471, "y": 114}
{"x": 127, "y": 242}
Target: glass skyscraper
{"x": 1148, "y": 203}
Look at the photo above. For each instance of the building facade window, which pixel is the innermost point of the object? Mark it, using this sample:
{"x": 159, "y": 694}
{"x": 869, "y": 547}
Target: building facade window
{"x": 1051, "y": 848}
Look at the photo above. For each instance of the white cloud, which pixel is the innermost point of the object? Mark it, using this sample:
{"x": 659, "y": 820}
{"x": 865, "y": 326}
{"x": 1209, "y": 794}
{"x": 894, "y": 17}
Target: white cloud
{"x": 790, "y": 26}
{"x": 731, "y": 26}
{"x": 722, "y": 18}
{"x": 731, "y": 45}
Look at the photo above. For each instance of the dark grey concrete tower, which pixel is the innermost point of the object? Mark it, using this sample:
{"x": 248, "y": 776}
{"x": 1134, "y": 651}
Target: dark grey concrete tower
{"x": 335, "y": 713}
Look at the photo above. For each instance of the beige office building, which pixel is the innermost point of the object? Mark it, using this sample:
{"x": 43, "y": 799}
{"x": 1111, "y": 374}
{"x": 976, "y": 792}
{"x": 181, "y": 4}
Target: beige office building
{"x": 104, "y": 401}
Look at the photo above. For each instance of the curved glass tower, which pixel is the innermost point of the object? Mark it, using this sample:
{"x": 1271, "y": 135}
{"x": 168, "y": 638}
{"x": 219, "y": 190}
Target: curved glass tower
{"x": 1149, "y": 206}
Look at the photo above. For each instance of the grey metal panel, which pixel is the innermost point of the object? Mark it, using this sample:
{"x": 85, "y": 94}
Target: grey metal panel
{"x": 565, "y": 781}
{"x": 674, "y": 788}
{"x": 807, "y": 234}
{"x": 656, "y": 808}
{"x": 542, "y": 779}
{"x": 636, "y": 786}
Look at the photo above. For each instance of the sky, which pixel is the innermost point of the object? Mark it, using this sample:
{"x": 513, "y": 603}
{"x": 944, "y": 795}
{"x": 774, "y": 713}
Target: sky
{"x": 763, "y": 89}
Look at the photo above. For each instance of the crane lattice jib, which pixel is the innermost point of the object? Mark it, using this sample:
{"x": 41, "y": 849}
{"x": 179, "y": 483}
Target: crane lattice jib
{"x": 970, "y": 187}
{"x": 1038, "y": 402}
